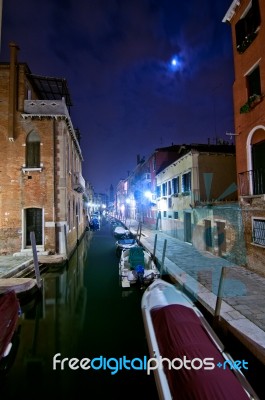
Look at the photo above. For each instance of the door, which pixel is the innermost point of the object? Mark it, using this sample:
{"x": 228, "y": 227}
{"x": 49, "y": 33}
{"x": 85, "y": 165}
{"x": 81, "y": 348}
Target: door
{"x": 34, "y": 224}
{"x": 187, "y": 227}
{"x": 208, "y": 235}
{"x": 258, "y": 151}
{"x": 221, "y": 238}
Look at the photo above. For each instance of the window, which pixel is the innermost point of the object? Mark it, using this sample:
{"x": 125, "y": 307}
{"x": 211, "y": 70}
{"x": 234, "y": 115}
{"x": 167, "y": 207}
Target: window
{"x": 158, "y": 191}
{"x": 186, "y": 182}
{"x": 164, "y": 189}
{"x": 254, "y": 90}
{"x": 33, "y": 150}
{"x": 169, "y": 187}
{"x": 247, "y": 27}
{"x": 176, "y": 215}
{"x": 175, "y": 185}
{"x": 169, "y": 203}
{"x": 253, "y": 82}
{"x": 258, "y": 231}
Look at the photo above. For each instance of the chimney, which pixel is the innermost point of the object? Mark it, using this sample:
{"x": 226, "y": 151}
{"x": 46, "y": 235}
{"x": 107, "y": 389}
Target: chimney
{"x": 12, "y": 90}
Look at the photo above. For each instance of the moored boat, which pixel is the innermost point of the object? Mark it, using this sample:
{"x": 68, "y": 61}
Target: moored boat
{"x": 9, "y": 314}
{"x": 126, "y": 243}
{"x": 137, "y": 266}
{"x": 189, "y": 360}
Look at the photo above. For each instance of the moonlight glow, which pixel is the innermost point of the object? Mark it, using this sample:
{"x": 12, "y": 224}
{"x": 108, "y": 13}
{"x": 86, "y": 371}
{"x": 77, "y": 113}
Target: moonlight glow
{"x": 175, "y": 63}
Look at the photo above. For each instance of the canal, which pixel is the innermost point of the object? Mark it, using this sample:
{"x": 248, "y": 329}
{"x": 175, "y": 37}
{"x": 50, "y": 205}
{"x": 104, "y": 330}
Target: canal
{"x": 83, "y": 314}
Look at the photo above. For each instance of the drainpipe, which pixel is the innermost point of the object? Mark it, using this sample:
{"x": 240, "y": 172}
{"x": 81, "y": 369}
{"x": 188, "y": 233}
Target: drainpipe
{"x": 12, "y": 90}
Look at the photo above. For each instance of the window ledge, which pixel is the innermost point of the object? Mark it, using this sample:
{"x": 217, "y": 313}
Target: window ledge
{"x": 257, "y": 245}
{"x": 27, "y": 170}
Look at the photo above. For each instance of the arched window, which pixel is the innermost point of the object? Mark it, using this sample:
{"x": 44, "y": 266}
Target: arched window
{"x": 33, "y": 150}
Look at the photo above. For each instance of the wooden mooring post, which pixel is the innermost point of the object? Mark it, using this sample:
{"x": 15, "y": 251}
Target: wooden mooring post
{"x": 35, "y": 258}
{"x": 154, "y": 251}
{"x": 163, "y": 257}
{"x": 139, "y": 231}
{"x": 219, "y": 296}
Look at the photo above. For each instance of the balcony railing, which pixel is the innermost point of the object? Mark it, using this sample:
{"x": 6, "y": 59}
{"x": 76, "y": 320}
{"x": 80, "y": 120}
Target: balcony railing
{"x": 252, "y": 182}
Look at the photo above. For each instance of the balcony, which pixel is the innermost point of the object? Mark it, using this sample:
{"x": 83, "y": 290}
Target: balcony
{"x": 46, "y": 107}
{"x": 79, "y": 184}
{"x": 252, "y": 182}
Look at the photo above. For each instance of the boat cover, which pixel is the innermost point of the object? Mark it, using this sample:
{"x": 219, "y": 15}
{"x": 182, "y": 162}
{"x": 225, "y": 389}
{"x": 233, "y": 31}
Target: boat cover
{"x": 136, "y": 257}
{"x": 9, "y": 313}
{"x": 180, "y": 332}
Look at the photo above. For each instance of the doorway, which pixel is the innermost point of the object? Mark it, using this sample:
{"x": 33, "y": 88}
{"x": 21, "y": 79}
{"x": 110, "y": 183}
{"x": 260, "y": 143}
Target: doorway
{"x": 33, "y": 218}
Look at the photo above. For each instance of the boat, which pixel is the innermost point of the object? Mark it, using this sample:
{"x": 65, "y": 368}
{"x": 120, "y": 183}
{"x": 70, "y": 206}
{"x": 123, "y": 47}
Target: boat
{"x": 124, "y": 244}
{"x": 9, "y": 314}
{"x": 137, "y": 266}
{"x": 121, "y": 232}
{"x": 23, "y": 287}
{"x": 188, "y": 359}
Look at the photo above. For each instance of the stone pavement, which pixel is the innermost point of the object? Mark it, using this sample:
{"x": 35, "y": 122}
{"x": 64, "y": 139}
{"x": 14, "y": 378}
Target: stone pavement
{"x": 13, "y": 264}
{"x": 243, "y": 292}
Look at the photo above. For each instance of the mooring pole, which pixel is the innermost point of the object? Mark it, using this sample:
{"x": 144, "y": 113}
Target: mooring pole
{"x": 155, "y": 242}
{"x": 140, "y": 230}
{"x": 219, "y": 295}
{"x": 163, "y": 256}
{"x": 35, "y": 258}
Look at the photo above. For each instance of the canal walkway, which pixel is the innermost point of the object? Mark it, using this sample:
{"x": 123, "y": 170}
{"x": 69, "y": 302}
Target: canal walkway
{"x": 243, "y": 297}
{"x": 242, "y": 309}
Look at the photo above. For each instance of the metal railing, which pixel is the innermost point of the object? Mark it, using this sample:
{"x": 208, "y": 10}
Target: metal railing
{"x": 252, "y": 182}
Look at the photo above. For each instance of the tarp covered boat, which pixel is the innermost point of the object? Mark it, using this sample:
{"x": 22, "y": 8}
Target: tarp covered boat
{"x": 137, "y": 266}
{"x": 198, "y": 368}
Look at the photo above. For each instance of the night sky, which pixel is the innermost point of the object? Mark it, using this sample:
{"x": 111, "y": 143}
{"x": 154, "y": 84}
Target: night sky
{"x": 128, "y": 98}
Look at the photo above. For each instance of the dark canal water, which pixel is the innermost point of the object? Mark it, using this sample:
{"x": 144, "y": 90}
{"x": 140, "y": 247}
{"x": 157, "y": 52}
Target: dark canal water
{"x": 83, "y": 314}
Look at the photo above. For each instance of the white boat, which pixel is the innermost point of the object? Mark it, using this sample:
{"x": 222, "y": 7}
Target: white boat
{"x": 186, "y": 356}
{"x": 137, "y": 266}
{"x": 121, "y": 231}
{"x": 123, "y": 244}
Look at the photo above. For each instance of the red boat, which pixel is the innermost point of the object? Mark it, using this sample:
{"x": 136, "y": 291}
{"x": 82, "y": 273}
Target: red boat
{"x": 9, "y": 314}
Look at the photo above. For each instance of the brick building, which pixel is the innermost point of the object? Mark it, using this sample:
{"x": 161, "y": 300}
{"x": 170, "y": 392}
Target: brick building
{"x": 41, "y": 181}
{"x": 247, "y": 20}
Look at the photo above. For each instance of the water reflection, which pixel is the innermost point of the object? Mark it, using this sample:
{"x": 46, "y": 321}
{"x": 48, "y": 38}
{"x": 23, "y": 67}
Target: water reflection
{"x": 82, "y": 313}
{"x": 49, "y": 324}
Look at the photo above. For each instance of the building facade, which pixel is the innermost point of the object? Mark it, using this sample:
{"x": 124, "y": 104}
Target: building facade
{"x": 139, "y": 188}
{"x": 41, "y": 182}
{"x": 247, "y": 21}
{"x": 197, "y": 202}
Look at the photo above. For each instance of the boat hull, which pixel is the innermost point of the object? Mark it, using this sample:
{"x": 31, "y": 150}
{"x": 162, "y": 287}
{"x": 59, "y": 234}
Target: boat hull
{"x": 9, "y": 314}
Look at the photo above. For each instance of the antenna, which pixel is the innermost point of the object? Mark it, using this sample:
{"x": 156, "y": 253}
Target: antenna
{"x": 231, "y": 134}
